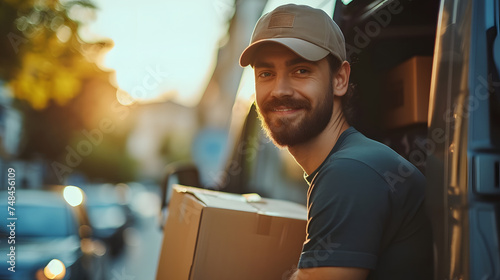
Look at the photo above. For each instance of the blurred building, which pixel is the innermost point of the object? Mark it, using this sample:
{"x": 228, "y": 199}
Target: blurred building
{"x": 28, "y": 174}
{"x": 10, "y": 124}
{"x": 162, "y": 133}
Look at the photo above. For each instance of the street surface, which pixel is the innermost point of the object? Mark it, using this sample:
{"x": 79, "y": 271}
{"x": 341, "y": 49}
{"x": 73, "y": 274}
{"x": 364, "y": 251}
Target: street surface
{"x": 139, "y": 259}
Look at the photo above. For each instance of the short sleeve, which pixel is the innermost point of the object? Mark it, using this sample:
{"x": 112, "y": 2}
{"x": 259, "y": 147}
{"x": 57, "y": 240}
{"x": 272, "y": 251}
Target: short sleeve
{"x": 349, "y": 207}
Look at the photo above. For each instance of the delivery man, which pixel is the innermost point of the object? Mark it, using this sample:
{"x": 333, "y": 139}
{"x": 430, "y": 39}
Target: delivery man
{"x": 366, "y": 217}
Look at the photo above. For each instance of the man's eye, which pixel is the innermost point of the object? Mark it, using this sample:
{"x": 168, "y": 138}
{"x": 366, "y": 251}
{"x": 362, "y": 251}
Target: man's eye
{"x": 301, "y": 71}
{"x": 264, "y": 74}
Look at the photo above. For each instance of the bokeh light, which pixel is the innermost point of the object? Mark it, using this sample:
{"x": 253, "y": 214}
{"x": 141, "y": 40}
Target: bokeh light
{"x": 73, "y": 195}
{"x": 55, "y": 269}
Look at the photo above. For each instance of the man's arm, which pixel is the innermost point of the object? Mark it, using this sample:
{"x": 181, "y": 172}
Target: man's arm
{"x": 330, "y": 273}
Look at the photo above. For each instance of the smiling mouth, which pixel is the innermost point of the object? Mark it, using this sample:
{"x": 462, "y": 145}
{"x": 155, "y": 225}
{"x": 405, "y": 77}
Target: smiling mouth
{"x": 283, "y": 110}
{"x": 285, "y": 106}
{"x": 287, "y": 112}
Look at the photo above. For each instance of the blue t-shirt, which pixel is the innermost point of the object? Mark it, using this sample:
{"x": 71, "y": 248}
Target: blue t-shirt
{"x": 365, "y": 209}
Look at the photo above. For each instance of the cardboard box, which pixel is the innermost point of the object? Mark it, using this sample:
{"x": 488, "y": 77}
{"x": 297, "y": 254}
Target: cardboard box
{"x": 213, "y": 235}
{"x": 406, "y": 91}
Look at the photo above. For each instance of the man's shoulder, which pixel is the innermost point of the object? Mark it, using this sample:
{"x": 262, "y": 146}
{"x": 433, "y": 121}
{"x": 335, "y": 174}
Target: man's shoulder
{"x": 356, "y": 146}
{"x": 363, "y": 151}
{"x": 349, "y": 175}
{"x": 360, "y": 160}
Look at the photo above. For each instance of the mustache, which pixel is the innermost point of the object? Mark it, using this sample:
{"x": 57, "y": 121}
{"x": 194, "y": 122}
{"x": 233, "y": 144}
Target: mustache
{"x": 286, "y": 101}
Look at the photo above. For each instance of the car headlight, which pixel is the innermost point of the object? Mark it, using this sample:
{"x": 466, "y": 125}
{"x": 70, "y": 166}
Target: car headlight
{"x": 55, "y": 269}
{"x": 73, "y": 195}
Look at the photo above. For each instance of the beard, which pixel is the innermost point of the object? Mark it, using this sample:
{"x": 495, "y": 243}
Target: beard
{"x": 285, "y": 132}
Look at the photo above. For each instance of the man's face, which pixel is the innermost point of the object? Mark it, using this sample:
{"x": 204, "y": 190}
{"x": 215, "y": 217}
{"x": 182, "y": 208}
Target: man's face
{"x": 294, "y": 96}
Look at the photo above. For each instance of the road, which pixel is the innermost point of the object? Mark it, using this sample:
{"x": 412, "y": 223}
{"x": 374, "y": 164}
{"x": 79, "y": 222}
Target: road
{"x": 139, "y": 259}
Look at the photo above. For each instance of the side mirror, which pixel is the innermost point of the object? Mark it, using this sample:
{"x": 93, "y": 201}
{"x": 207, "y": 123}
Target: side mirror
{"x": 176, "y": 173}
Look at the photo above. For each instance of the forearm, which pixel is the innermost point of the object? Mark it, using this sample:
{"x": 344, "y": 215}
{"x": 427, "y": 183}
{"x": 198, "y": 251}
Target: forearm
{"x": 329, "y": 273}
{"x": 304, "y": 275}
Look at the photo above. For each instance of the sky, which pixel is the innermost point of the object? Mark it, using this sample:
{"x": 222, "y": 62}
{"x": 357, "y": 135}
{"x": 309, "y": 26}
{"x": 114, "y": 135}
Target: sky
{"x": 166, "y": 49}
{"x": 162, "y": 48}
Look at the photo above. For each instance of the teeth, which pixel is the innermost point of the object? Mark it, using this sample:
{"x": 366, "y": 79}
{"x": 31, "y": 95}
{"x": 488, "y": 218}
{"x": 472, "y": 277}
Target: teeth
{"x": 282, "y": 110}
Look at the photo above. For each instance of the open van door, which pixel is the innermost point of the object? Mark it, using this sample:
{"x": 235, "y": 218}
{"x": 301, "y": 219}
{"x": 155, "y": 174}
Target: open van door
{"x": 463, "y": 191}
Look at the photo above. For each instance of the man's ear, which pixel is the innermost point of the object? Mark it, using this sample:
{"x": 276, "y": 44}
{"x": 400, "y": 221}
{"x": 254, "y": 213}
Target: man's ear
{"x": 341, "y": 79}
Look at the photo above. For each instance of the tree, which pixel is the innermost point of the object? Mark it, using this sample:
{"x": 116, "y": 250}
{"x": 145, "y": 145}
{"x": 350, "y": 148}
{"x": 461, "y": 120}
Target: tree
{"x": 56, "y": 85}
{"x": 42, "y": 53}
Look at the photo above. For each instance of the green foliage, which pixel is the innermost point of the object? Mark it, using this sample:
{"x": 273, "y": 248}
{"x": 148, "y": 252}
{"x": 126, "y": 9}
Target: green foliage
{"x": 57, "y": 86}
{"x": 107, "y": 162}
{"x": 41, "y": 52}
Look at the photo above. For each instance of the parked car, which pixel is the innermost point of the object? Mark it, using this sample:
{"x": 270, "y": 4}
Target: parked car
{"x": 109, "y": 215}
{"x": 49, "y": 237}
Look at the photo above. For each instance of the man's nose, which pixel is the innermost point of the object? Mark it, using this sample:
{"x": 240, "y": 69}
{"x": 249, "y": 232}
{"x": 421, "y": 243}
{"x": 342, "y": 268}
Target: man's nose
{"x": 282, "y": 86}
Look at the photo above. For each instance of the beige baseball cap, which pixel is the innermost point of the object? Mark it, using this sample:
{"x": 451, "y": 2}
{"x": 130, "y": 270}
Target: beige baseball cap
{"x": 309, "y": 32}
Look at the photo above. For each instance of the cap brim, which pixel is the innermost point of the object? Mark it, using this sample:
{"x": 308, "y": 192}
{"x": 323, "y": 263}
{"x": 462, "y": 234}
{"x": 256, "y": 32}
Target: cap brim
{"x": 302, "y": 48}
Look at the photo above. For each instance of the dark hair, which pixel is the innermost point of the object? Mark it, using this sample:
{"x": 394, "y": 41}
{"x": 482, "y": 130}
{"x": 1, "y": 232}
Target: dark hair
{"x": 348, "y": 100}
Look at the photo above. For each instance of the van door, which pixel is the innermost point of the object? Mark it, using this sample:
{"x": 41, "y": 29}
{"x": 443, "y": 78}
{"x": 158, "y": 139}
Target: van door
{"x": 463, "y": 144}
